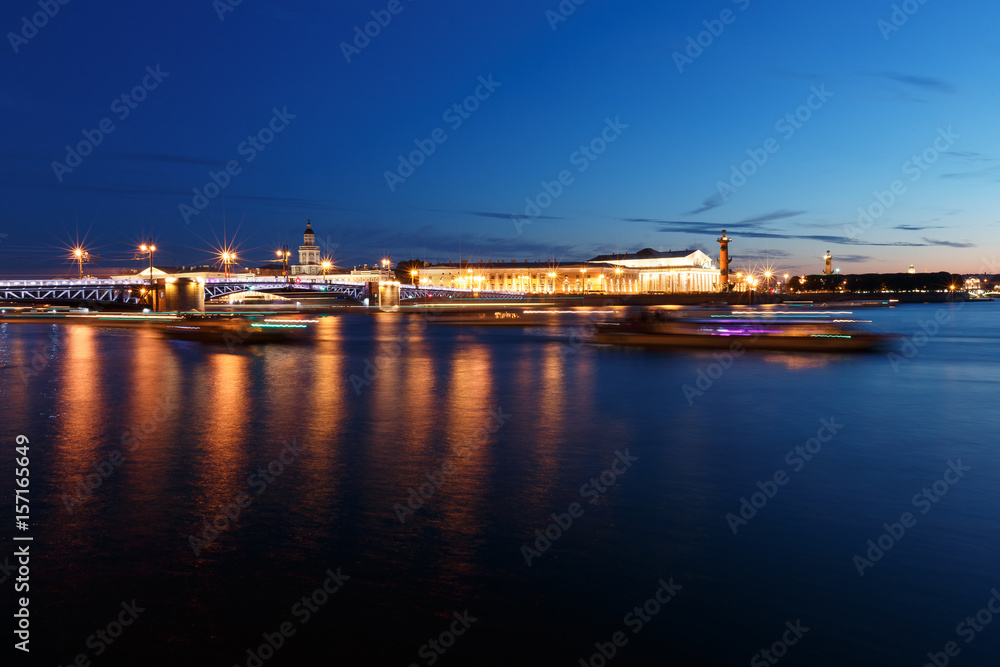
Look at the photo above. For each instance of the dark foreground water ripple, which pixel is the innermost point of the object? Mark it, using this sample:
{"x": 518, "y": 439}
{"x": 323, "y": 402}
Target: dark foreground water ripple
{"x": 504, "y": 428}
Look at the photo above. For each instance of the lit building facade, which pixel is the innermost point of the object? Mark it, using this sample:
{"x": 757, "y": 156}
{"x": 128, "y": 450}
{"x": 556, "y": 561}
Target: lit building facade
{"x": 646, "y": 271}
{"x": 309, "y": 260}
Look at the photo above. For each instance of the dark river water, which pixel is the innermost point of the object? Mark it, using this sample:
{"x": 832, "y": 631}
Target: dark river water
{"x": 398, "y": 493}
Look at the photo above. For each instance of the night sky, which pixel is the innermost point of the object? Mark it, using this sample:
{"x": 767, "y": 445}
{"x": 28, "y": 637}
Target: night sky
{"x": 600, "y": 127}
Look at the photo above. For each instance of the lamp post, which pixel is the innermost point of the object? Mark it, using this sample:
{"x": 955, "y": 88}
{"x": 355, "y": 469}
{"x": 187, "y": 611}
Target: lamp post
{"x": 283, "y": 255}
{"x": 228, "y": 259}
{"x": 81, "y": 256}
{"x": 326, "y": 267}
{"x": 149, "y": 249}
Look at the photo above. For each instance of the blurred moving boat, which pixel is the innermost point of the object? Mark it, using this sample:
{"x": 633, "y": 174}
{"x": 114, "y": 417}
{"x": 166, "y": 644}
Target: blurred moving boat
{"x": 231, "y": 330}
{"x": 752, "y": 330}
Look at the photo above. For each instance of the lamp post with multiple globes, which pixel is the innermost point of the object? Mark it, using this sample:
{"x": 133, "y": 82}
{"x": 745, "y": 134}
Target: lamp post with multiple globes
{"x": 283, "y": 255}
{"x": 149, "y": 249}
{"x": 228, "y": 259}
{"x": 80, "y": 255}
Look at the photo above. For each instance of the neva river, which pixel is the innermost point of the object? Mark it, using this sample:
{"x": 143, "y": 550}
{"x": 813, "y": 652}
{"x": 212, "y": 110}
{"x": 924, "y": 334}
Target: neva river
{"x": 401, "y": 513}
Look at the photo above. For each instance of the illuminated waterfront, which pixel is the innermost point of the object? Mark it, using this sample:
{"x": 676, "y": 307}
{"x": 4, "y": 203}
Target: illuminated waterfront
{"x": 421, "y": 459}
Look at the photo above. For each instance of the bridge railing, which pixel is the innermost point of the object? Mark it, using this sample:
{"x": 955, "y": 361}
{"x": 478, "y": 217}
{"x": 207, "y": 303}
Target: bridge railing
{"x": 86, "y": 282}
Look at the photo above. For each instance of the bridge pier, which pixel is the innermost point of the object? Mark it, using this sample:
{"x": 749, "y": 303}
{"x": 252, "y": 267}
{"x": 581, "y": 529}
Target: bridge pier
{"x": 388, "y": 295}
{"x": 180, "y": 294}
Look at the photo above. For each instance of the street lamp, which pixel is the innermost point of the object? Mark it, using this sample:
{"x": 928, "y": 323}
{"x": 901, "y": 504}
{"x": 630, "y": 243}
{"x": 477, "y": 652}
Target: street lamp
{"x": 80, "y": 255}
{"x": 149, "y": 249}
{"x": 413, "y": 275}
{"x": 326, "y": 267}
{"x": 228, "y": 258}
{"x": 283, "y": 255}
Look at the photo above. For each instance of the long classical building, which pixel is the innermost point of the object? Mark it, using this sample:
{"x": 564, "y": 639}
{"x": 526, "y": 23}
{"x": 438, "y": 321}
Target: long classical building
{"x": 646, "y": 271}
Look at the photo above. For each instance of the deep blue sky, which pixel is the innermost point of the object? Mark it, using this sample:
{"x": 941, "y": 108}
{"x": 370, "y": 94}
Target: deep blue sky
{"x": 656, "y": 185}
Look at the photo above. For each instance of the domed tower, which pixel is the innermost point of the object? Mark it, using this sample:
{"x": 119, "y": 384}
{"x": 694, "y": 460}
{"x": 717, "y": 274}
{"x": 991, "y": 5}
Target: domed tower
{"x": 309, "y": 252}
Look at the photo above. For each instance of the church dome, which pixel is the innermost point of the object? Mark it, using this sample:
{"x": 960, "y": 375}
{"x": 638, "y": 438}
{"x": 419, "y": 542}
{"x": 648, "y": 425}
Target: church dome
{"x": 309, "y": 229}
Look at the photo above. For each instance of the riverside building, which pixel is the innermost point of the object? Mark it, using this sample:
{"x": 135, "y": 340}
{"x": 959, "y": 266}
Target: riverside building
{"x": 645, "y": 272}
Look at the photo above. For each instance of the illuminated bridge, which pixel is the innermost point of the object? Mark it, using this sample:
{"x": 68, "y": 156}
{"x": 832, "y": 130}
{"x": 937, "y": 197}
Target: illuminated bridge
{"x": 95, "y": 290}
{"x": 130, "y": 291}
{"x": 219, "y": 287}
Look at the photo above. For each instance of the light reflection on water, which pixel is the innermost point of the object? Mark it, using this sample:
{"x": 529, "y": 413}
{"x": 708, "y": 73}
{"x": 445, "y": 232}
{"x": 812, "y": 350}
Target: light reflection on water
{"x": 419, "y": 407}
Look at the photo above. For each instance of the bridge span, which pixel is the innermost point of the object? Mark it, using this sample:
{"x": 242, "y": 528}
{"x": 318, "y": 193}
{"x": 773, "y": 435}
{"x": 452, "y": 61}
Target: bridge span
{"x": 133, "y": 292}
